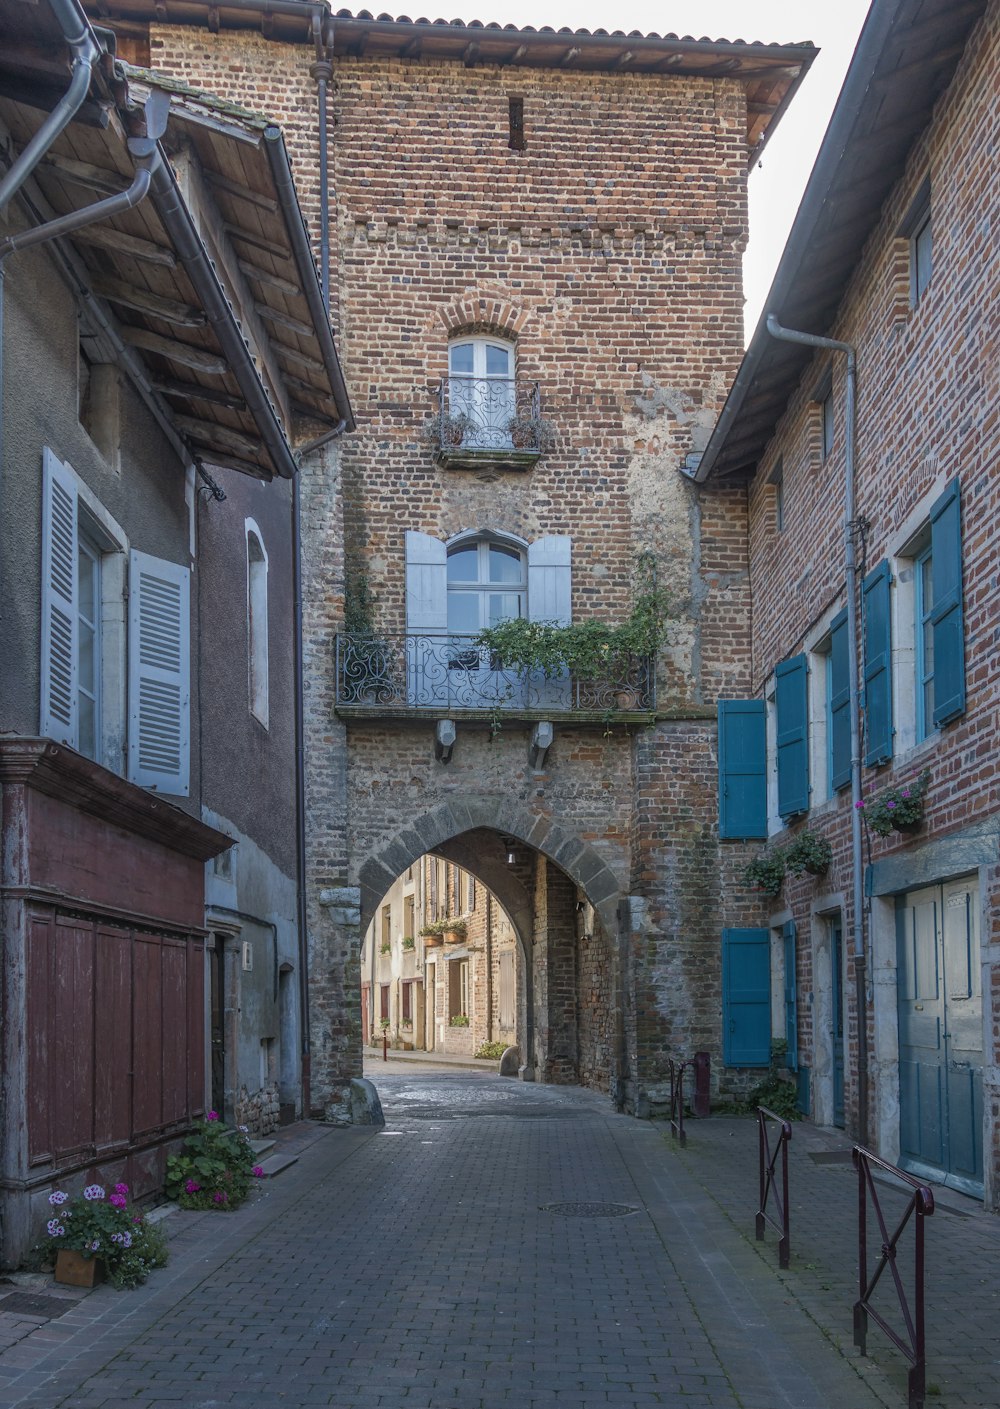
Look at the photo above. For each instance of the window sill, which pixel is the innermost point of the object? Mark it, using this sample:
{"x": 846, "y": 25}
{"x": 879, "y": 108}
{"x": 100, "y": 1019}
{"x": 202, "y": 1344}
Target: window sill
{"x": 463, "y": 457}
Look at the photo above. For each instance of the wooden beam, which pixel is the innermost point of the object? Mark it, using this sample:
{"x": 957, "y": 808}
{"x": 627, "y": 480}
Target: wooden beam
{"x": 299, "y": 358}
{"x": 305, "y": 388}
{"x": 623, "y": 59}
{"x": 233, "y": 188}
{"x": 191, "y": 391}
{"x": 118, "y": 291}
{"x": 117, "y": 241}
{"x": 249, "y": 237}
{"x": 519, "y": 53}
{"x": 84, "y": 173}
{"x": 411, "y": 49}
{"x": 271, "y": 315}
{"x": 570, "y": 56}
{"x": 470, "y": 55}
{"x": 211, "y": 433}
{"x": 197, "y": 357}
{"x": 264, "y": 276}
{"x": 233, "y": 462}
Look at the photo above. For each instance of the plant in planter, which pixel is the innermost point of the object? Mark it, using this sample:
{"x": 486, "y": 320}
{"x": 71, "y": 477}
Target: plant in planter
{"x": 531, "y": 433}
{"x": 385, "y": 949}
{"x": 808, "y": 852}
{"x": 766, "y": 872}
{"x": 460, "y": 1020}
{"x": 384, "y": 1024}
{"x": 100, "y": 1232}
{"x": 453, "y": 927}
{"x": 215, "y": 1168}
{"x": 490, "y": 1051}
{"x": 409, "y": 942}
{"x": 899, "y": 808}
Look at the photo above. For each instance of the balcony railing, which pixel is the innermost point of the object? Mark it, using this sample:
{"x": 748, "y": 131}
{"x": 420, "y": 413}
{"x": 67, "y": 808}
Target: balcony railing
{"x": 445, "y": 673}
{"x": 489, "y": 419}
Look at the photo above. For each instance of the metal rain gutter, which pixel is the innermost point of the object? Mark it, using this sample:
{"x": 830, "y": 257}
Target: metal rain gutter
{"x": 176, "y": 218}
{"x": 281, "y": 171}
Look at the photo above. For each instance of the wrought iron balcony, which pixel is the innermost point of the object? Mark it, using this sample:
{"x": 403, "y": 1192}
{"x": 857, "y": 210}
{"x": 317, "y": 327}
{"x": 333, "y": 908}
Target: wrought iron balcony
{"x": 489, "y": 420}
{"x": 443, "y": 674}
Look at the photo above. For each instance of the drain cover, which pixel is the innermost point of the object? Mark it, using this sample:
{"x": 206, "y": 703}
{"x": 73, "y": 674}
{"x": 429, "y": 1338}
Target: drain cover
{"x": 589, "y": 1210}
{"x": 24, "y": 1304}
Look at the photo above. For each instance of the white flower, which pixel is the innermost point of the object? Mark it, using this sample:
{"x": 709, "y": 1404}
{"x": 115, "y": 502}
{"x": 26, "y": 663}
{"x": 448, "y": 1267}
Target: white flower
{"x": 55, "y": 1228}
{"x": 57, "y": 1197}
{"x": 93, "y": 1191}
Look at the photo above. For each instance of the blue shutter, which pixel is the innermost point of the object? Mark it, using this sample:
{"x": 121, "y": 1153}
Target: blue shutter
{"x": 746, "y": 998}
{"x": 791, "y": 997}
{"x": 742, "y": 769}
{"x": 792, "y": 713}
{"x": 878, "y": 657}
{"x": 840, "y": 703}
{"x": 946, "y": 609}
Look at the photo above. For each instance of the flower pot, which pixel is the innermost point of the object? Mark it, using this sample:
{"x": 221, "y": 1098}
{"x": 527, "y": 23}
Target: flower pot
{"x": 453, "y": 937}
{"x": 75, "y": 1270}
{"x": 626, "y": 699}
{"x": 433, "y": 941}
{"x": 908, "y": 826}
{"x": 816, "y": 868}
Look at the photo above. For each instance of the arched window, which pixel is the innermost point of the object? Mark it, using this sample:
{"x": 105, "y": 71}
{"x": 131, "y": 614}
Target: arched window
{"x": 481, "y": 389}
{"x": 257, "y": 622}
{"x": 487, "y": 583}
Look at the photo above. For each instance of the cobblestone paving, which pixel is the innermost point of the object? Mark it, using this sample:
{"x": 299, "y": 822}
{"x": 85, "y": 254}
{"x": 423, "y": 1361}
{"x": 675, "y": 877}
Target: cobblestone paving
{"x": 419, "y": 1268}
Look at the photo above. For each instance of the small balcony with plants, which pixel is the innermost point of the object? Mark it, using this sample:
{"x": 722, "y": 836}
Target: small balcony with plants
{"x": 483, "y": 422}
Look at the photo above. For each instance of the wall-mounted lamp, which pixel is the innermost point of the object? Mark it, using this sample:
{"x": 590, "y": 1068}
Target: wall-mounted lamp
{"x": 508, "y": 843}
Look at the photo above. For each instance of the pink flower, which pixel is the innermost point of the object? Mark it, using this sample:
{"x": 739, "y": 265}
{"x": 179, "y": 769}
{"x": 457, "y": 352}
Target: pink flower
{"x": 258, "y": 1172}
{"x": 121, "y": 1188}
{"x": 859, "y": 805}
{"x": 192, "y": 1187}
{"x": 906, "y": 792}
{"x": 118, "y": 1201}
{"x": 219, "y": 1197}
{"x": 212, "y": 1115}
{"x": 890, "y": 804}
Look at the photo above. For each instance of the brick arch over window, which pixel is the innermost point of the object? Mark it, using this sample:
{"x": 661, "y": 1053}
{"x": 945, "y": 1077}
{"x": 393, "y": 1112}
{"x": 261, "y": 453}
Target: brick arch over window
{"x": 483, "y": 315}
{"x": 581, "y": 863}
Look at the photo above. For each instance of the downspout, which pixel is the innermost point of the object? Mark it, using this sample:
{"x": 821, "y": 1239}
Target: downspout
{"x": 86, "y": 52}
{"x": 851, "y": 573}
{"x": 322, "y": 72}
{"x": 489, "y": 966}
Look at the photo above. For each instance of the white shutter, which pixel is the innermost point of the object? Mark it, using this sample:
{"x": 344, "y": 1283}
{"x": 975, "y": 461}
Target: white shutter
{"x": 550, "y": 579}
{"x": 159, "y": 674}
{"x": 60, "y": 654}
{"x": 426, "y": 583}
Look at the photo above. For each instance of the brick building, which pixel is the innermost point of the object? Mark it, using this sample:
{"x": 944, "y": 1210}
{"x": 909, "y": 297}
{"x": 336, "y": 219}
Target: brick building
{"x": 441, "y": 965}
{"x": 533, "y": 244}
{"x": 894, "y": 253}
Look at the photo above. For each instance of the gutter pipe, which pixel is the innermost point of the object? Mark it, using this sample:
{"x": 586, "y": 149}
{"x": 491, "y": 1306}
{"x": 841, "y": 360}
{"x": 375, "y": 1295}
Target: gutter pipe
{"x": 86, "y": 52}
{"x": 851, "y": 571}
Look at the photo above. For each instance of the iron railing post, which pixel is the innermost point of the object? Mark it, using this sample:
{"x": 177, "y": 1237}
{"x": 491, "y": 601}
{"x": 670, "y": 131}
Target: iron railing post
{"x": 677, "y": 1100}
{"x": 767, "y": 1182}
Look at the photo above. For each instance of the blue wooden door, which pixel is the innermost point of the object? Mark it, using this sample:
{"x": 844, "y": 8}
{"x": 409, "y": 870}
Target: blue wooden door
{"x": 940, "y": 1034}
{"x": 837, "y": 1025}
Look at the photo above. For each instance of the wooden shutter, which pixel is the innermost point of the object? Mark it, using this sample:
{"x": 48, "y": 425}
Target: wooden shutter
{"x": 742, "y": 768}
{"x": 946, "y": 609}
{"x": 840, "y": 703}
{"x": 426, "y": 584}
{"x": 550, "y": 579}
{"x": 791, "y": 997}
{"x": 746, "y": 997}
{"x": 878, "y": 660}
{"x": 60, "y": 651}
{"x": 791, "y": 708}
{"x": 159, "y": 744}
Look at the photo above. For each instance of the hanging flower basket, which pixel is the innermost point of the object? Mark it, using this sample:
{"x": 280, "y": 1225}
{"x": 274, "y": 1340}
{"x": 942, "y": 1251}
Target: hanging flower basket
{"x": 897, "y": 809}
{"x": 766, "y": 872}
{"x": 809, "y": 852}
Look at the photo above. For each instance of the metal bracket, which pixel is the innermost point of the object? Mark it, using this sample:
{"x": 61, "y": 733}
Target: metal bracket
{"x": 541, "y": 741}
{"x": 444, "y": 740}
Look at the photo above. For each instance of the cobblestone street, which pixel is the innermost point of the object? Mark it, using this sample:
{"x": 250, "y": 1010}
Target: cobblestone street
{"x": 498, "y": 1244}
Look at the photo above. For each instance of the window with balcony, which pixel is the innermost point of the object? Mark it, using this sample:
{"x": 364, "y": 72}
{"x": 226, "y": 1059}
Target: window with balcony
{"x": 484, "y": 412}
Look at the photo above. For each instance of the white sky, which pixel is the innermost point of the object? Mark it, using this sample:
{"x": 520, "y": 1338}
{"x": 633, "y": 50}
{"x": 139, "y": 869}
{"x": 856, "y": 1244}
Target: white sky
{"x": 776, "y": 185}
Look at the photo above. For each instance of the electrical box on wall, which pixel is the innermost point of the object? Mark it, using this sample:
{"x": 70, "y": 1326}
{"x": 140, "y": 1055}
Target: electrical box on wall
{"x": 247, "y": 956}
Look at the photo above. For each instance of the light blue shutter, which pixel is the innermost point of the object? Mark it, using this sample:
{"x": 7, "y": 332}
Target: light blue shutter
{"x": 426, "y": 584}
{"x": 791, "y": 996}
{"x": 946, "y": 610}
{"x": 159, "y": 674}
{"x": 746, "y": 997}
{"x": 60, "y": 652}
{"x": 878, "y": 660}
{"x": 791, "y": 710}
{"x": 840, "y": 703}
{"x": 550, "y": 586}
{"x": 742, "y": 768}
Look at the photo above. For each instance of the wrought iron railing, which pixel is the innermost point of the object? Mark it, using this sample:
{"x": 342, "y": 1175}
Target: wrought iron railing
{"x": 445, "y": 672}
{"x": 677, "y": 1070}
{"x": 919, "y": 1204}
{"x": 497, "y": 414}
{"x": 767, "y": 1159}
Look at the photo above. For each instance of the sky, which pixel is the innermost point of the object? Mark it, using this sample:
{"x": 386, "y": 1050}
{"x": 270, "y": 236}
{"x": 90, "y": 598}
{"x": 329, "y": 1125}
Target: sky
{"x": 777, "y": 182}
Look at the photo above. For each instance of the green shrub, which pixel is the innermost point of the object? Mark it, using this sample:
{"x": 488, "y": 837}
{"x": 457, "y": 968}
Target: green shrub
{"x": 808, "y": 852}
{"x": 492, "y": 1051}
{"x": 460, "y": 1020}
{"x": 215, "y": 1169}
{"x": 778, "y": 1091}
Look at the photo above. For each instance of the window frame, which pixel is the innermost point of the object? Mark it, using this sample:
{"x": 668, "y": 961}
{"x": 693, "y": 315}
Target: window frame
{"x": 258, "y": 624}
{"x": 481, "y": 585}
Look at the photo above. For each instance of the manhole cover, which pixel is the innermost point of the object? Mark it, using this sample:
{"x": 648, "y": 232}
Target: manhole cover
{"x": 589, "y": 1210}
{"x": 24, "y": 1304}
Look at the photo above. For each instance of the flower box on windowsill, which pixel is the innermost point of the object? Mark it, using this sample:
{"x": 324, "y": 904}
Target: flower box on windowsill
{"x": 471, "y": 457}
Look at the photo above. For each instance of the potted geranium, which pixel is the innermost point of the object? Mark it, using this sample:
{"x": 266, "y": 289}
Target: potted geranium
{"x": 899, "y": 808}
{"x": 808, "y": 852}
{"x": 766, "y": 872}
{"x": 98, "y": 1233}
{"x": 215, "y": 1169}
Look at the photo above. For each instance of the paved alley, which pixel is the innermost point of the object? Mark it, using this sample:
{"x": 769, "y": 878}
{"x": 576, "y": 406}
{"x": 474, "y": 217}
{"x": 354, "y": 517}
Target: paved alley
{"x": 498, "y": 1244}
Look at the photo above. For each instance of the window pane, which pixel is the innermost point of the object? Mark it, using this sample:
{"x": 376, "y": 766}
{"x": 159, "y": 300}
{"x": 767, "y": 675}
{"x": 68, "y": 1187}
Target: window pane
{"x": 497, "y": 361}
{"x": 88, "y": 652}
{"x": 503, "y": 606}
{"x": 922, "y": 258}
{"x": 463, "y": 612}
{"x": 86, "y": 584}
{"x": 505, "y": 565}
{"x": 87, "y": 740}
{"x": 463, "y": 564}
{"x": 461, "y": 355}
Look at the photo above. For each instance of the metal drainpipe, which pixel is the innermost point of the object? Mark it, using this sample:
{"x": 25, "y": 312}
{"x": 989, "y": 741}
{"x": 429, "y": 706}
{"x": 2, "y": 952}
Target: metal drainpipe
{"x": 489, "y": 966}
{"x": 322, "y": 72}
{"x": 851, "y": 574}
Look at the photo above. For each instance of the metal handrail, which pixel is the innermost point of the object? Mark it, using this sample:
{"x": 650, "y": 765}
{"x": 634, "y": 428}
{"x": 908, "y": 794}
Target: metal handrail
{"x": 677, "y": 1070}
{"x": 921, "y": 1202}
{"x": 768, "y": 1183}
